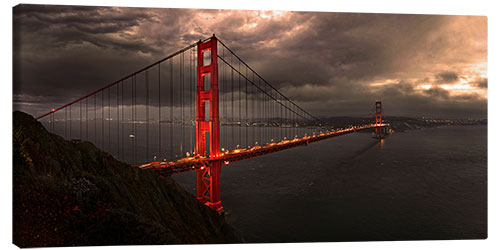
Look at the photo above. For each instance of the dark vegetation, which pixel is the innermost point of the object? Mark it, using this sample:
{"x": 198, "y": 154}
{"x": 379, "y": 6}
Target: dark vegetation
{"x": 72, "y": 194}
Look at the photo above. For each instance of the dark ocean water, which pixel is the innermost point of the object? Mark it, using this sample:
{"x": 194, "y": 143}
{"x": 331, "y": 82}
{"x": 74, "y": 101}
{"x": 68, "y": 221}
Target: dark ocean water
{"x": 420, "y": 184}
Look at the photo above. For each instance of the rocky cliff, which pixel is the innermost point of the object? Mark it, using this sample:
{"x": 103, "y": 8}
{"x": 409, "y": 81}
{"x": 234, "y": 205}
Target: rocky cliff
{"x": 72, "y": 194}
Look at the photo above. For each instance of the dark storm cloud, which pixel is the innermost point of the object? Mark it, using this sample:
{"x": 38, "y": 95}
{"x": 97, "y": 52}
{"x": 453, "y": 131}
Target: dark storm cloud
{"x": 330, "y": 63}
{"x": 62, "y": 26}
{"x": 481, "y": 83}
{"x": 447, "y": 77}
{"x": 437, "y": 93}
{"x": 63, "y": 48}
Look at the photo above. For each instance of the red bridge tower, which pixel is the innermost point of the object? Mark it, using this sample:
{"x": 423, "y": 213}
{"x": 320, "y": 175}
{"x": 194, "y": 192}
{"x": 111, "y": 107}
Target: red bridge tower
{"x": 378, "y": 119}
{"x": 208, "y": 127}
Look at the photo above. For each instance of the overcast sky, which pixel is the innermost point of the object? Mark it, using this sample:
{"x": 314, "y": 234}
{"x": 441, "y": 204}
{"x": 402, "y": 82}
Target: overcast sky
{"x": 329, "y": 63}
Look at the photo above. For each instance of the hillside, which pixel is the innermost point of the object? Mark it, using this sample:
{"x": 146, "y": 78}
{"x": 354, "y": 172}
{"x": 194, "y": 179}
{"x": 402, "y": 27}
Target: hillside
{"x": 73, "y": 194}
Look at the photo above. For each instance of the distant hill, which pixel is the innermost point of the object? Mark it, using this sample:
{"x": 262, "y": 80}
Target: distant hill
{"x": 72, "y": 194}
{"x": 399, "y": 123}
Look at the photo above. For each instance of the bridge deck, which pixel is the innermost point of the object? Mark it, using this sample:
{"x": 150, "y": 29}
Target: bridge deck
{"x": 196, "y": 162}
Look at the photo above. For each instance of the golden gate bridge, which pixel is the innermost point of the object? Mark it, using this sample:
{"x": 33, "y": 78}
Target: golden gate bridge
{"x": 195, "y": 110}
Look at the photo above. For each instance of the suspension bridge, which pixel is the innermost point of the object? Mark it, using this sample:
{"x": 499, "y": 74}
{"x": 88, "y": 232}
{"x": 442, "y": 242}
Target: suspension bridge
{"x": 196, "y": 110}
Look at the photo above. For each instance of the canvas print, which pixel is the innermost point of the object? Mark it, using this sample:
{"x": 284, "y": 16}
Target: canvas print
{"x": 152, "y": 126}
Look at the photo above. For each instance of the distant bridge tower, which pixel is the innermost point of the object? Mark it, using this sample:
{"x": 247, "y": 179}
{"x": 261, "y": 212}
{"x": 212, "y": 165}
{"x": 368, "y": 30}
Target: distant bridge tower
{"x": 378, "y": 119}
{"x": 208, "y": 128}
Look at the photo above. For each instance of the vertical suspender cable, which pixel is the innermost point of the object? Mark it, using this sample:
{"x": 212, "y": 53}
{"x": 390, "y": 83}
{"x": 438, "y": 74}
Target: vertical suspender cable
{"x": 171, "y": 107}
{"x": 277, "y": 118}
{"x": 282, "y": 123}
{"x": 87, "y": 119}
{"x": 123, "y": 120}
{"x": 293, "y": 123}
{"x": 292, "y": 134}
{"x": 259, "y": 116}
{"x": 261, "y": 122}
{"x": 102, "y": 120}
{"x": 271, "y": 110}
{"x": 131, "y": 127}
{"x": 282, "y": 109}
{"x": 193, "y": 98}
{"x": 147, "y": 115}
{"x": 95, "y": 119}
{"x": 268, "y": 116}
{"x": 264, "y": 115}
{"x": 134, "y": 113}
{"x": 109, "y": 121}
{"x": 190, "y": 88}
{"x": 181, "y": 95}
{"x": 240, "y": 142}
{"x": 80, "y": 119}
{"x": 258, "y": 105}
{"x": 70, "y": 122}
{"x": 159, "y": 113}
{"x": 290, "y": 118}
{"x": 251, "y": 115}
{"x": 221, "y": 91}
{"x": 246, "y": 107}
{"x": 232, "y": 104}
{"x": 271, "y": 115}
{"x": 66, "y": 123}
{"x": 287, "y": 118}
{"x": 253, "y": 112}
{"x": 118, "y": 119}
